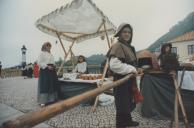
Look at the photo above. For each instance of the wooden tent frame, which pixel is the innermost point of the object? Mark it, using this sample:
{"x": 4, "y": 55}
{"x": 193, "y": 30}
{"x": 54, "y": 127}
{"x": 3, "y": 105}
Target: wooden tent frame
{"x": 72, "y": 54}
{"x": 69, "y": 51}
{"x": 178, "y": 101}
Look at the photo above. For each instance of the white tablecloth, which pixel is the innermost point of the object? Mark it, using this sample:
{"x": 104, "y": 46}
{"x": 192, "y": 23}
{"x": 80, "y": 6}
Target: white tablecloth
{"x": 188, "y": 80}
{"x": 80, "y": 80}
{"x": 87, "y": 81}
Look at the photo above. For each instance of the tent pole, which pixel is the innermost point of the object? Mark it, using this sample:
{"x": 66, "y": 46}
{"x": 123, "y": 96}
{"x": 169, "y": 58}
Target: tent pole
{"x": 61, "y": 43}
{"x": 176, "y": 116}
{"x": 104, "y": 71}
{"x": 106, "y": 35}
{"x": 182, "y": 76}
{"x": 111, "y": 40}
{"x": 176, "y": 119}
{"x": 180, "y": 101}
{"x": 65, "y": 57}
{"x": 99, "y": 85}
{"x": 72, "y": 58}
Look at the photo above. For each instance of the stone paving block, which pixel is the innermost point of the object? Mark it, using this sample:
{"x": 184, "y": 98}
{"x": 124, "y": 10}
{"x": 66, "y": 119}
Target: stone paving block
{"x": 8, "y": 113}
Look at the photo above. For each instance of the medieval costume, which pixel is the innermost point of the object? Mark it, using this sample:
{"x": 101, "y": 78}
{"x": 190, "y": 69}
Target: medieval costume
{"x": 47, "y": 82}
{"x": 29, "y": 70}
{"x": 36, "y": 70}
{"x": 81, "y": 66}
{"x": 168, "y": 61}
{"x": 122, "y": 61}
{"x": 24, "y": 71}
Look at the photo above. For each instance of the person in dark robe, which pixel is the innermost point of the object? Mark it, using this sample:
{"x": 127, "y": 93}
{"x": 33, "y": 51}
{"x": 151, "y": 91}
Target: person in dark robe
{"x": 47, "y": 82}
{"x": 122, "y": 61}
{"x": 168, "y": 61}
{"x": 24, "y": 71}
{"x": 29, "y": 70}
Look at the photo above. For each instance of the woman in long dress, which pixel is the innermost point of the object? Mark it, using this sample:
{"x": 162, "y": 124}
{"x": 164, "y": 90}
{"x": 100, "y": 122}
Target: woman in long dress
{"x": 47, "y": 82}
{"x": 122, "y": 61}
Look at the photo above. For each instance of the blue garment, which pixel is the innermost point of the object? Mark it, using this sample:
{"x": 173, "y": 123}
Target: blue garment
{"x": 47, "y": 86}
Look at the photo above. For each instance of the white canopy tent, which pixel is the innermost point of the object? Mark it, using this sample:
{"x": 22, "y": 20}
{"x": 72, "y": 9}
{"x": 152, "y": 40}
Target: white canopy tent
{"x": 78, "y": 21}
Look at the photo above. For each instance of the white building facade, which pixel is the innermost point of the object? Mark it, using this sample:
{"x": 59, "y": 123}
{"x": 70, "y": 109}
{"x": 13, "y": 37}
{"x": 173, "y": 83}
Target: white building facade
{"x": 183, "y": 46}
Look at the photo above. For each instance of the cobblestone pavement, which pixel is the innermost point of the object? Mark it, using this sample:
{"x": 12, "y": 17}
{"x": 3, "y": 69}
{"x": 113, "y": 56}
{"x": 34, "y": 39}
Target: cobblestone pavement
{"x": 21, "y": 94}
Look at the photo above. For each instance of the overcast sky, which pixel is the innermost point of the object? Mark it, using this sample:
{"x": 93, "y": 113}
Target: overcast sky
{"x": 150, "y": 20}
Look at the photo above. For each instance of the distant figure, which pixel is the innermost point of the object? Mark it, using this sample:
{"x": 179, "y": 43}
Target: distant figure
{"x": 168, "y": 61}
{"x": 81, "y": 66}
{"x": 0, "y": 69}
{"x": 47, "y": 82}
{"x": 36, "y": 70}
{"x": 24, "y": 71}
{"x": 29, "y": 70}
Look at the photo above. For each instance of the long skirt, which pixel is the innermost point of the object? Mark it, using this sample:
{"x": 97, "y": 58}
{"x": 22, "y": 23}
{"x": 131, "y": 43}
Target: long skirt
{"x": 124, "y": 103}
{"x": 47, "y": 86}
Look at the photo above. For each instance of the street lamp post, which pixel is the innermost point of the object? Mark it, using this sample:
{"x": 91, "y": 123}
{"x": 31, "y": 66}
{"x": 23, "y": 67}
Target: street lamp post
{"x": 23, "y": 49}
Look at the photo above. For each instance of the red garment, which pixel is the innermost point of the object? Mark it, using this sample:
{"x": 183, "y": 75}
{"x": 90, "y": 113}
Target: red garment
{"x": 137, "y": 94}
{"x": 36, "y": 70}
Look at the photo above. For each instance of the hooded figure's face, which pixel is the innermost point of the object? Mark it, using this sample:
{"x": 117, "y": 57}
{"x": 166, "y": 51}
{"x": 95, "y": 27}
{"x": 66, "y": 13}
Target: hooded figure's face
{"x": 126, "y": 34}
{"x": 48, "y": 47}
{"x": 167, "y": 49}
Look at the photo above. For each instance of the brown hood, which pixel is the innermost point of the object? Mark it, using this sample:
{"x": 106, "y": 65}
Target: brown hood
{"x": 121, "y": 26}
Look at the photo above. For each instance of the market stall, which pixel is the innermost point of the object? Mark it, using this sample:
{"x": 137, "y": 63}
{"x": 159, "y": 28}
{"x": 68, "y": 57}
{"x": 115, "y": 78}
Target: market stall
{"x": 76, "y": 22}
{"x": 159, "y": 96}
{"x": 73, "y": 87}
{"x": 73, "y": 84}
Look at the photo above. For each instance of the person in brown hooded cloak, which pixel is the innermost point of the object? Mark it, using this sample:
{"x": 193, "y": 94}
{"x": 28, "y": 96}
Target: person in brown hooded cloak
{"x": 122, "y": 61}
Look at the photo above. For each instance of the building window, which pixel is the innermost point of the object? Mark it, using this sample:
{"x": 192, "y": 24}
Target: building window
{"x": 190, "y": 49}
{"x": 174, "y": 50}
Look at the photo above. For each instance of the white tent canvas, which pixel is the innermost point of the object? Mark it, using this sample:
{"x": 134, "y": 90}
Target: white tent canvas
{"x": 78, "y": 21}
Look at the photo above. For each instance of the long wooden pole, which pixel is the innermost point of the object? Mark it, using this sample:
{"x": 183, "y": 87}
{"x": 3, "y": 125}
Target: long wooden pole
{"x": 182, "y": 77}
{"x": 72, "y": 59}
{"x": 61, "y": 43}
{"x": 106, "y": 35}
{"x": 33, "y": 118}
{"x": 65, "y": 57}
{"x": 176, "y": 118}
{"x": 176, "y": 115}
{"x": 180, "y": 101}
